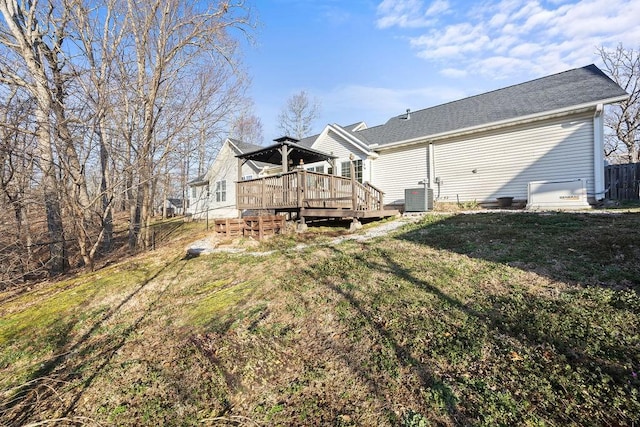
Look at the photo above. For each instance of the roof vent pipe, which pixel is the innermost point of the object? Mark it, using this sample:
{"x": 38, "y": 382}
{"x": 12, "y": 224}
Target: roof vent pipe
{"x": 408, "y": 114}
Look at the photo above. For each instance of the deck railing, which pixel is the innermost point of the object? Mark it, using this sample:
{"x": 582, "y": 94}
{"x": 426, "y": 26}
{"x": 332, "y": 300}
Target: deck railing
{"x": 305, "y": 189}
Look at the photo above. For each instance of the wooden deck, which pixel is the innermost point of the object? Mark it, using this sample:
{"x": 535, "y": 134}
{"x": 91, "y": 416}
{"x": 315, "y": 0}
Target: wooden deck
{"x": 312, "y": 194}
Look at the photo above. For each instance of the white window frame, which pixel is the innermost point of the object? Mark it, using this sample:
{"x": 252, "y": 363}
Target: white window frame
{"x": 345, "y": 169}
{"x": 221, "y": 191}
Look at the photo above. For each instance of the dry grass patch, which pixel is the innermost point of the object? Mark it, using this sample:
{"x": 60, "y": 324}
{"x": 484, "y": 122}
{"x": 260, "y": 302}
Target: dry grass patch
{"x": 486, "y": 319}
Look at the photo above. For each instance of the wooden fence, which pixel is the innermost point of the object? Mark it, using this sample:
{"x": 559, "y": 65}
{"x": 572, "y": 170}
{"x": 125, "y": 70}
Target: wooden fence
{"x": 622, "y": 181}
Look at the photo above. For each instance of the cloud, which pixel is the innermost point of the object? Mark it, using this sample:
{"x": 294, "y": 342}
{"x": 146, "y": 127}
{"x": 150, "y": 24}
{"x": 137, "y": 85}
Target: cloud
{"x": 410, "y": 13}
{"x": 504, "y": 38}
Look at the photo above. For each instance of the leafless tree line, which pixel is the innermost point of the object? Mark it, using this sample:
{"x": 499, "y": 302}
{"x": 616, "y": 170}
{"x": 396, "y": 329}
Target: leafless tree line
{"x": 622, "y": 140}
{"x": 105, "y": 106}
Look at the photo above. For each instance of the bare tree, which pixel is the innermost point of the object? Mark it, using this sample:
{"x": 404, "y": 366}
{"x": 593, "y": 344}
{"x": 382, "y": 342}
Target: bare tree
{"x": 119, "y": 88}
{"x": 27, "y": 47}
{"x": 248, "y": 128}
{"x": 297, "y": 116}
{"x": 99, "y": 37}
{"x": 17, "y": 195}
{"x": 623, "y": 119}
{"x": 171, "y": 38}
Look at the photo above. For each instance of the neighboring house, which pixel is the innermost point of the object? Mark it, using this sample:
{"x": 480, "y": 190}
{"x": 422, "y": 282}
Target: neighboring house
{"x": 214, "y": 193}
{"x": 496, "y": 144}
{"x": 171, "y": 207}
{"x": 487, "y": 146}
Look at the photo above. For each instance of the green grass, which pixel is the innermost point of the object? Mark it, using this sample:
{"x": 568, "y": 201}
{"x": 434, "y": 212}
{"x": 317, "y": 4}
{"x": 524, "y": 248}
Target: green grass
{"x": 483, "y": 320}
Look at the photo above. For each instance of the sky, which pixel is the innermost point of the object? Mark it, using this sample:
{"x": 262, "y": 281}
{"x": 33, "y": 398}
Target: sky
{"x": 366, "y": 60}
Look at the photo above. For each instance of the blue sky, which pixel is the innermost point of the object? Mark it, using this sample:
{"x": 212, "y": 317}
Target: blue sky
{"x": 368, "y": 60}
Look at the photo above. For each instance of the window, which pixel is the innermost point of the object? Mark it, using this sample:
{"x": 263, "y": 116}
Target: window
{"x": 247, "y": 177}
{"x": 194, "y": 194}
{"x": 345, "y": 169}
{"x": 221, "y": 191}
{"x": 319, "y": 169}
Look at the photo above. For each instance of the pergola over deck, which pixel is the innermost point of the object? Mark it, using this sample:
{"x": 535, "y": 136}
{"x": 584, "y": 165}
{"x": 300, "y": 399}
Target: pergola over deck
{"x": 309, "y": 194}
{"x": 287, "y": 153}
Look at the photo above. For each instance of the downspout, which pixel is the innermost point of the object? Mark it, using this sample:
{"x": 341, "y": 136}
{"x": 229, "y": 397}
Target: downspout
{"x": 598, "y": 153}
{"x": 432, "y": 168}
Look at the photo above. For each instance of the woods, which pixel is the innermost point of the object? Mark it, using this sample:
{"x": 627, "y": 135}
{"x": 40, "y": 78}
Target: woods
{"x": 105, "y": 106}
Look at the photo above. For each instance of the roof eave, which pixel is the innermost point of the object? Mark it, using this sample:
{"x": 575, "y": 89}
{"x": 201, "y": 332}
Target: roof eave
{"x": 352, "y": 140}
{"x": 503, "y": 123}
{"x": 237, "y": 149}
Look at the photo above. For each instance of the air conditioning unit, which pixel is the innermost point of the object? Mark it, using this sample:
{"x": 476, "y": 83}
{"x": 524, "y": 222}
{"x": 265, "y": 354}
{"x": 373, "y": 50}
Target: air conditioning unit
{"x": 560, "y": 194}
{"x": 417, "y": 200}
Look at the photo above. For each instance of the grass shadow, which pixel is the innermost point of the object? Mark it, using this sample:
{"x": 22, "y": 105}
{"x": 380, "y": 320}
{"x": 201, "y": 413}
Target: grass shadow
{"x": 73, "y": 355}
{"x": 577, "y": 248}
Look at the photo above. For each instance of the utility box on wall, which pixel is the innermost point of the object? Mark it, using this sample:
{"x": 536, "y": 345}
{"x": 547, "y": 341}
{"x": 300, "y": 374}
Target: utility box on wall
{"x": 417, "y": 200}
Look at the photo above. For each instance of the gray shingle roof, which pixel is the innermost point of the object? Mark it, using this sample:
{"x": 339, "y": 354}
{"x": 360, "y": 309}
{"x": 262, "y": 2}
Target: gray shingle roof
{"x": 309, "y": 140}
{"x": 352, "y": 126}
{"x": 199, "y": 180}
{"x": 246, "y": 147}
{"x": 586, "y": 85}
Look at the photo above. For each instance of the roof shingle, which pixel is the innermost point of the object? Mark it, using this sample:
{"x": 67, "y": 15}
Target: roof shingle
{"x": 586, "y": 85}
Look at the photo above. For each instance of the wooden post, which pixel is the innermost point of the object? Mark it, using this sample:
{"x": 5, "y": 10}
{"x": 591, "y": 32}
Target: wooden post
{"x": 263, "y": 195}
{"x": 367, "y": 198}
{"x": 300, "y": 188}
{"x": 284, "y": 153}
{"x": 240, "y": 163}
{"x": 332, "y": 190}
{"x": 354, "y": 194}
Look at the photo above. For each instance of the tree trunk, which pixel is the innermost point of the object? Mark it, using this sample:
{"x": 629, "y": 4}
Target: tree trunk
{"x": 105, "y": 191}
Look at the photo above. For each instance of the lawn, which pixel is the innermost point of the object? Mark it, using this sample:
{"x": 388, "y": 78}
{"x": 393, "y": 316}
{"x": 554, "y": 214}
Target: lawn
{"x": 477, "y": 319}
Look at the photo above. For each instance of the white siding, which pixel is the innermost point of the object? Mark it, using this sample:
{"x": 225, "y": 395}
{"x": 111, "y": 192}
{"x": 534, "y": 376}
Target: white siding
{"x": 224, "y": 167}
{"x": 398, "y": 169}
{"x": 336, "y": 145}
{"x": 505, "y": 161}
{"x": 332, "y": 143}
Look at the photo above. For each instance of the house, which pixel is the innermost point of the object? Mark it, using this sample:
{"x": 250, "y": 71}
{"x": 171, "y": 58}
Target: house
{"x": 540, "y": 141}
{"x": 213, "y": 194}
{"x": 171, "y": 207}
{"x": 486, "y": 146}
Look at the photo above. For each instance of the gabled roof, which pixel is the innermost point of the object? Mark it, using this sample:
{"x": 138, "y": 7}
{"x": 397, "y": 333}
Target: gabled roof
{"x": 355, "y": 126}
{"x": 351, "y": 137}
{"x": 198, "y": 181}
{"x": 245, "y": 147}
{"x": 579, "y": 88}
{"x": 350, "y": 133}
